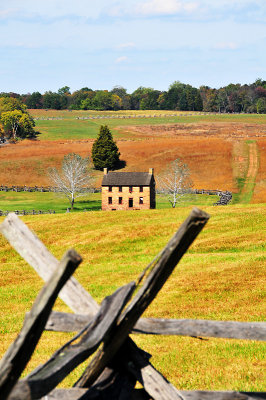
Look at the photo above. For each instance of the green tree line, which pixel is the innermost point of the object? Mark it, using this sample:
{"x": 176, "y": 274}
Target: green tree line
{"x": 248, "y": 98}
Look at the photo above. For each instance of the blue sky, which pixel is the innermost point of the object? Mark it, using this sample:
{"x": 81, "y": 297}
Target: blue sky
{"x": 45, "y": 45}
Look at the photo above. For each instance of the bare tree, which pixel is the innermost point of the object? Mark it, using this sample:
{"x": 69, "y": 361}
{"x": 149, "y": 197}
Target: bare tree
{"x": 176, "y": 181}
{"x": 73, "y": 177}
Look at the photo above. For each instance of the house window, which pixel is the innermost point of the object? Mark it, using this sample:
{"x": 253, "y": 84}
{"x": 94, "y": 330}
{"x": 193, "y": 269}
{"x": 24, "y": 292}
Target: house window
{"x": 110, "y": 188}
{"x": 141, "y": 200}
{"x": 110, "y": 200}
{"x": 120, "y": 200}
{"x": 120, "y": 189}
{"x": 130, "y": 202}
{"x": 130, "y": 189}
{"x": 141, "y": 188}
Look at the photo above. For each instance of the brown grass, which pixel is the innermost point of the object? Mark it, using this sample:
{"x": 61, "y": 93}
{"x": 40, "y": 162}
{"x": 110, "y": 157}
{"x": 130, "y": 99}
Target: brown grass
{"x": 221, "y": 277}
{"x": 260, "y": 188}
{"x": 209, "y": 149}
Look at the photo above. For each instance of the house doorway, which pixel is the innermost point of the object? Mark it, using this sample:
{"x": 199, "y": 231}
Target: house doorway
{"x": 130, "y": 202}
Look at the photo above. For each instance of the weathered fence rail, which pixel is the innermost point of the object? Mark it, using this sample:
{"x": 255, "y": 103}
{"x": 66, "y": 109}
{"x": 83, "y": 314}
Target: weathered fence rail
{"x": 64, "y": 322}
{"x": 118, "y": 362}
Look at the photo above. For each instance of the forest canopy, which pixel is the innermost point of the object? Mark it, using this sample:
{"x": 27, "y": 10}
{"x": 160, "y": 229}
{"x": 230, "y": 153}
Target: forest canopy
{"x": 247, "y": 98}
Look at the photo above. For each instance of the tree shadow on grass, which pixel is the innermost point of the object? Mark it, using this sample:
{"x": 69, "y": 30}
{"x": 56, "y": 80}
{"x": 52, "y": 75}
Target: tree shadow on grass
{"x": 34, "y": 136}
{"x": 89, "y": 205}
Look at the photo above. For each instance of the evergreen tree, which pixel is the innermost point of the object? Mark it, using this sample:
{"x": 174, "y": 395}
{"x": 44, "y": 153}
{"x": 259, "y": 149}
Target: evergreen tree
{"x": 105, "y": 153}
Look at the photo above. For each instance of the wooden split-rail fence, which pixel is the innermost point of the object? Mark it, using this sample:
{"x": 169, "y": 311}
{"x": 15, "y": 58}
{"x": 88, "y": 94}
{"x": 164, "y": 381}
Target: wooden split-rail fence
{"x": 118, "y": 363}
{"x": 138, "y": 116}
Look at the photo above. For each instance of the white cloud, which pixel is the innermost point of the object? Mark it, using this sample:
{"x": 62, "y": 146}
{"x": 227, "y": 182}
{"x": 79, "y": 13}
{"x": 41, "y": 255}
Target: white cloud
{"x": 57, "y": 8}
{"x": 226, "y": 46}
{"x": 190, "y": 10}
{"x": 9, "y": 12}
{"x": 152, "y": 8}
{"x": 125, "y": 46}
{"x": 121, "y": 59}
{"x": 165, "y": 7}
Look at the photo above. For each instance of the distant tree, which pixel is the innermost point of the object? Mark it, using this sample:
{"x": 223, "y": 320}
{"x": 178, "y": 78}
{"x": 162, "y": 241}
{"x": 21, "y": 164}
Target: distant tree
{"x": 64, "y": 90}
{"x": 11, "y": 104}
{"x": 54, "y": 101}
{"x": 78, "y": 97}
{"x": 34, "y": 100}
{"x": 183, "y": 104}
{"x": 85, "y": 89}
{"x": 15, "y": 120}
{"x": 260, "y": 91}
{"x": 198, "y": 102}
{"x": 119, "y": 91}
{"x": 73, "y": 177}
{"x": 11, "y": 121}
{"x": 261, "y": 106}
{"x": 105, "y": 153}
{"x": 175, "y": 181}
{"x": 145, "y": 98}
{"x": 16, "y": 123}
{"x": 149, "y": 100}
{"x": 260, "y": 82}
{"x": 209, "y": 98}
{"x": 116, "y": 102}
{"x": 102, "y": 100}
{"x": 173, "y": 96}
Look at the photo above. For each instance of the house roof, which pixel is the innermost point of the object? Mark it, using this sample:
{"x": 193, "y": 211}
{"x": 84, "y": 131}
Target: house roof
{"x": 127, "y": 179}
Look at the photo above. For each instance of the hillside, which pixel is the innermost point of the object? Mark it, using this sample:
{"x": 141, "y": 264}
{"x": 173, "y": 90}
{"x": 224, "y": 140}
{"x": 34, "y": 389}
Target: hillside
{"x": 216, "y": 148}
{"x": 221, "y": 277}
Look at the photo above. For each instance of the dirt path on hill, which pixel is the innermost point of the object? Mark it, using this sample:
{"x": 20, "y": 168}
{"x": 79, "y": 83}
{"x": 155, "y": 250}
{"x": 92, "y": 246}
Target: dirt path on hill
{"x": 246, "y": 192}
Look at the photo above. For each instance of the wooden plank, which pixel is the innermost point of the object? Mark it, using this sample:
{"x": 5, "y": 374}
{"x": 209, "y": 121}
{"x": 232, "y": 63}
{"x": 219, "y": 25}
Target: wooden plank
{"x": 27, "y": 244}
{"x": 160, "y": 389}
{"x": 73, "y": 294}
{"x": 19, "y": 353}
{"x": 155, "y": 280}
{"x": 155, "y": 384}
{"x": 47, "y": 376}
{"x": 83, "y": 394}
{"x": 64, "y": 322}
{"x": 226, "y": 395}
{"x": 202, "y": 328}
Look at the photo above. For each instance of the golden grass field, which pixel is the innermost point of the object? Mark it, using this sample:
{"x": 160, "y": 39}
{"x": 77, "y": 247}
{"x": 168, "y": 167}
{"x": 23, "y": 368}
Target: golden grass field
{"x": 212, "y": 146}
{"x": 221, "y": 277}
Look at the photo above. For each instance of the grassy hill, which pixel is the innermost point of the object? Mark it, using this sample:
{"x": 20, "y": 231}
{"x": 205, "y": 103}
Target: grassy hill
{"x": 221, "y": 277}
{"x": 63, "y": 124}
{"x": 225, "y": 152}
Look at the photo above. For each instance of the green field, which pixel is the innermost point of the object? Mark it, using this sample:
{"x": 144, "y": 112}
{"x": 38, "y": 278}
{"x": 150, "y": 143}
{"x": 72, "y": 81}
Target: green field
{"x": 71, "y": 128}
{"x": 221, "y": 277}
{"x": 45, "y": 201}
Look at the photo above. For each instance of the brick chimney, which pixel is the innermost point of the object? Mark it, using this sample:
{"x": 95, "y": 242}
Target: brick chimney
{"x": 105, "y": 171}
{"x": 151, "y": 171}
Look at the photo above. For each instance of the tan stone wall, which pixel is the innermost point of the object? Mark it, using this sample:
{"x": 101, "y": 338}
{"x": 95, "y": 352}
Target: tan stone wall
{"x": 125, "y": 194}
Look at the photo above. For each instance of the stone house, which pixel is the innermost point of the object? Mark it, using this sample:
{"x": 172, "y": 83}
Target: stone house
{"x": 128, "y": 190}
